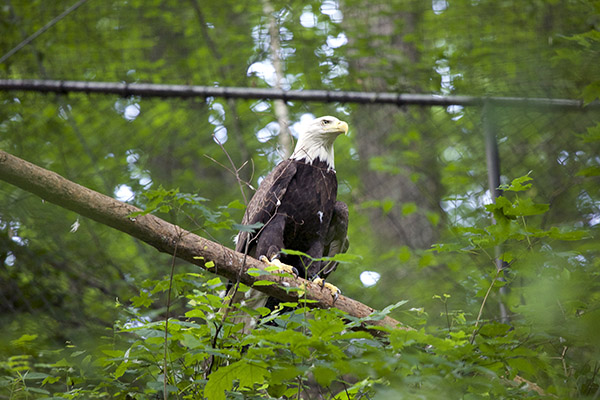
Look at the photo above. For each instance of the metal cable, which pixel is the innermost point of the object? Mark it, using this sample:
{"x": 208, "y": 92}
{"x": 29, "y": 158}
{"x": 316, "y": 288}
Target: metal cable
{"x": 161, "y": 90}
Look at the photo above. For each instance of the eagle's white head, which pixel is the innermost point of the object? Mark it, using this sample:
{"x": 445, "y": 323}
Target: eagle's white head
{"x": 316, "y": 140}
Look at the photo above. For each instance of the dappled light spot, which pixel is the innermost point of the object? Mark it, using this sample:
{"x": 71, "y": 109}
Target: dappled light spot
{"x": 220, "y": 134}
{"x": 562, "y": 158}
{"x": 260, "y": 106}
{"x": 308, "y": 19}
{"x": 264, "y": 70}
{"x": 369, "y": 278}
{"x": 332, "y": 10}
{"x": 123, "y": 193}
{"x": 10, "y": 259}
{"x": 439, "y": 6}
{"x": 131, "y": 112}
{"x": 338, "y": 41}
{"x": 268, "y": 132}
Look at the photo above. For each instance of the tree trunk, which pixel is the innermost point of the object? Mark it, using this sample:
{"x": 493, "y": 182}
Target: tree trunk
{"x": 383, "y": 131}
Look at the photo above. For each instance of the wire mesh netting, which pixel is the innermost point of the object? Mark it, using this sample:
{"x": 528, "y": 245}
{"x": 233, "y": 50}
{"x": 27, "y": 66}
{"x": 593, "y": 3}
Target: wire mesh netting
{"x": 181, "y": 107}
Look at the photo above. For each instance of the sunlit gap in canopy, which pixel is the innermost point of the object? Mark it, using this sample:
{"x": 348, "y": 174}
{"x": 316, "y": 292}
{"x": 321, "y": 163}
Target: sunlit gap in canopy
{"x": 265, "y": 70}
{"x": 586, "y": 204}
{"x": 369, "y": 278}
{"x": 461, "y": 208}
{"x": 439, "y": 6}
{"x": 124, "y": 192}
{"x": 271, "y": 130}
{"x": 129, "y": 108}
{"x": 217, "y": 119}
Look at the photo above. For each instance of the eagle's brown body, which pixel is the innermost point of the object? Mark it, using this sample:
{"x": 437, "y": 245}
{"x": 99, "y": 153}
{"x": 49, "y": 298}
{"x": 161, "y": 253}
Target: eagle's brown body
{"x": 296, "y": 203}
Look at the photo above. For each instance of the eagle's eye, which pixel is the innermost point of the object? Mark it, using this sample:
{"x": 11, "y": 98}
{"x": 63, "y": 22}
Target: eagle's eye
{"x": 325, "y": 122}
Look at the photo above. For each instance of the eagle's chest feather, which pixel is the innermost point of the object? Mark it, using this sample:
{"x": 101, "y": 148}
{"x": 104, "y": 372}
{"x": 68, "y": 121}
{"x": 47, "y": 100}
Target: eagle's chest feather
{"x": 309, "y": 201}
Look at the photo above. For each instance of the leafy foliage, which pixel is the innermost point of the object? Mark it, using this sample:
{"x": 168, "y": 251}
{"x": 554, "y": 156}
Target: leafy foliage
{"x": 321, "y": 352}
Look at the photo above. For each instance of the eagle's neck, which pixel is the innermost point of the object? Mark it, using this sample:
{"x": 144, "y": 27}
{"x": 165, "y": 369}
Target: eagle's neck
{"x": 312, "y": 149}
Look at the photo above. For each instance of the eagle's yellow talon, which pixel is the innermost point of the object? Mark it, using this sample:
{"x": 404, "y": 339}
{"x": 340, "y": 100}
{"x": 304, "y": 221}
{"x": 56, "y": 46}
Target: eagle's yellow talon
{"x": 281, "y": 267}
{"x": 335, "y": 291}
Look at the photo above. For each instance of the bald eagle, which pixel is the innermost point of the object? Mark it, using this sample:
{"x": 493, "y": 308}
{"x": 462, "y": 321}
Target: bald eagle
{"x": 296, "y": 208}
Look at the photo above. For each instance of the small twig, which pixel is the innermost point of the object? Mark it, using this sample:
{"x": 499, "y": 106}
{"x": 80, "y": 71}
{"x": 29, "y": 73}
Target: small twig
{"x": 165, "y": 374}
{"x": 483, "y": 304}
{"x": 236, "y": 171}
{"x": 234, "y": 290}
{"x": 447, "y": 316}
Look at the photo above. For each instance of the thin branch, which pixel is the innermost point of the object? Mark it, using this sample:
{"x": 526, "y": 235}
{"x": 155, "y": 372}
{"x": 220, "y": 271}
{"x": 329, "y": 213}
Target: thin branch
{"x": 165, "y": 373}
{"x": 487, "y": 294}
{"x": 235, "y": 171}
{"x": 231, "y": 171}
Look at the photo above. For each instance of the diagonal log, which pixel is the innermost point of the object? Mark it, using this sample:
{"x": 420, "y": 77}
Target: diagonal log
{"x": 169, "y": 238}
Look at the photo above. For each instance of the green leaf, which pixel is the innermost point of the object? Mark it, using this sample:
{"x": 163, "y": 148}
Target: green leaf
{"x": 565, "y": 233}
{"x": 143, "y": 300}
{"x": 248, "y": 228}
{"x": 593, "y": 134}
{"x": 387, "y": 205}
{"x": 507, "y": 257}
{"x": 112, "y": 353}
{"x": 35, "y": 375}
{"x": 236, "y": 204}
{"x": 51, "y": 379}
{"x": 526, "y": 207}
{"x": 294, "y": 252}
{"x": 256, "y": 272}
{"x": 409, "y": 208}
{"x": 497, "y": 329}
{"x": 589, "y": 171}
{"x": 325, "y": 325}
{"x": 591, "y": 92}
{"x": 324, "y": 374}
{"x": 121, "y": 369}
{"x": 517, "y": 184}
{"x": 379, "y": 315}
{"x": 214, "y": 282}
{"x": 522, "y": 365}
{"x": 246, "y": 373}
{"x": 23, "y": 340}
{"x": 343, "y": 258}
{"x": 195, "y": 313}
{"x": 263, "y": 283}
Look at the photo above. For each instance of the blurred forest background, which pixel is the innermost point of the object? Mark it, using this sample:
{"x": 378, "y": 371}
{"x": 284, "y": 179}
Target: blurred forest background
{"x": 413, "y": 176}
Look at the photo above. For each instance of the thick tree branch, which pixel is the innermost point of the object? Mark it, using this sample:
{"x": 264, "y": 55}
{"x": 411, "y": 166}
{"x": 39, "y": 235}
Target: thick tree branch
{"x": 166, "y": 237}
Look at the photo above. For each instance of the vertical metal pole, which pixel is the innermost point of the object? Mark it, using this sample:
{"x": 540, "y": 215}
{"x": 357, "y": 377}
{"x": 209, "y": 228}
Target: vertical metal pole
{"x": 493, "y": 171}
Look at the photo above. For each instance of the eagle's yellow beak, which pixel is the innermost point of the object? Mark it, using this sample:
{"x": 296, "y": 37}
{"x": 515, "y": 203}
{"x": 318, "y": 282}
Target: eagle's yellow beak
{"x": 343, "y": 127}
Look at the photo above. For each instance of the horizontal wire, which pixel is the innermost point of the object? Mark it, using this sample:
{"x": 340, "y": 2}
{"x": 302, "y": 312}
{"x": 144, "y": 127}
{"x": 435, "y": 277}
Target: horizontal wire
{"x": 326, "y": 96}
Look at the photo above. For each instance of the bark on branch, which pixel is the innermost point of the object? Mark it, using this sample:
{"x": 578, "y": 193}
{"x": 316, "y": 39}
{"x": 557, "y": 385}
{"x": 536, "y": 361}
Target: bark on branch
{"x": 168, "y": 238}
